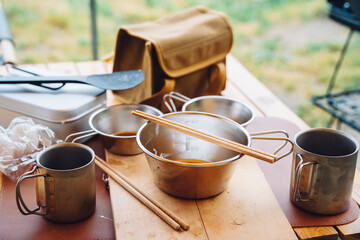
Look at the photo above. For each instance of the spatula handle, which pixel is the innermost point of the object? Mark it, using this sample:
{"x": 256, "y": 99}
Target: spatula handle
{"x": 42, "y": 79}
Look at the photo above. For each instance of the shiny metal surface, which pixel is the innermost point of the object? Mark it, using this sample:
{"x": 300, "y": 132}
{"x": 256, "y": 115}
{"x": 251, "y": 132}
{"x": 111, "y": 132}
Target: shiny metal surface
{"x": 191, "y": 180}
{"x": 115, "y": 119}
{"x": 323, "y": 169}
{"x": 223, "y": 106}
{"x": 66, "y": 111}
{"x": 113, "y": 81}
{"x": 65, "y": 183}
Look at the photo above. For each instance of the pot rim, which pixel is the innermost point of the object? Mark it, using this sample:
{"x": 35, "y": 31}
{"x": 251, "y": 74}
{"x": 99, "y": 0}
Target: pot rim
{"x": 328, "y": 130}
{"x": 66, "y": 144}
{"x": 187, "y": 103}
{"x": 116, "y": 106}
{"x": 210, "y": 164}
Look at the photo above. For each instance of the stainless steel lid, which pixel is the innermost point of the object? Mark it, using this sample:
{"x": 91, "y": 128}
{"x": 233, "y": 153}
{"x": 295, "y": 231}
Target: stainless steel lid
{"x": 64, "y": 105}
{"x": 71, "y": 102}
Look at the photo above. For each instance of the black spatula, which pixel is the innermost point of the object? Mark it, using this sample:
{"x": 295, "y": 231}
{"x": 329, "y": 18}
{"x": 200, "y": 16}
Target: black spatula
{"x": 114, "y": 81}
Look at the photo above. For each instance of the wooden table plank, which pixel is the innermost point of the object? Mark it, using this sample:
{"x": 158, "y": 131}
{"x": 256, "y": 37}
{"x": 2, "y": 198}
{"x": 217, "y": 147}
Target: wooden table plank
{"x": 240, "y": 221}
{"x": 317, "y": 233}
{"x": 272, "y": 106}
{"x": 356, "y": 187}
{"x": 267, "y": 103}
{"x": 243, "y": 211}
{"x": 132, "y": 220}
{"x": 350, "y": 231}
{"x": 247, "y": 209}
{"x": 255, "y": 94}
{"x": 266, "y": 108}
{"x": 68, "y": 68}
{"x": 91, "y": 67}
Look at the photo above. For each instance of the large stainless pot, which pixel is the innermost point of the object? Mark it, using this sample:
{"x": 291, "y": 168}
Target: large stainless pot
{"x": 117, "y": 127}
{"x": 192, "y": 180}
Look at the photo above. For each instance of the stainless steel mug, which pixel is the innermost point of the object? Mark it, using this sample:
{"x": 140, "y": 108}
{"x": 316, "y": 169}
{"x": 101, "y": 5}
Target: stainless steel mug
{"x": 65, "y": 183}
{"x": 323, "y": 169}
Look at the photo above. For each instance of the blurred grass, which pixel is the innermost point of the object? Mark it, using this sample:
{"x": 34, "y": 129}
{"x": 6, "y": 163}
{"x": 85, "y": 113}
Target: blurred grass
{"x": 59, "y": 30}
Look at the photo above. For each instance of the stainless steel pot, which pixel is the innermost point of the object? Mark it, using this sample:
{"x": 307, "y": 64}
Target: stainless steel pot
{"x": 220, "y": 105}
{"x": 117, "y": 127}
{"x": 174, "y": 157}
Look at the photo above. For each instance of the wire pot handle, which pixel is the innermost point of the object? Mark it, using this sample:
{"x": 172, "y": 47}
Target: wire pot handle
{"x": 169, "y": 100}
{"x": 286, "y": 140}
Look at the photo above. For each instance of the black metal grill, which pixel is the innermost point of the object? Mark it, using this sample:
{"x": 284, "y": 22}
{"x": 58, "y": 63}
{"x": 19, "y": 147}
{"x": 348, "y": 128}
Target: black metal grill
{"x": 344, "y": 106}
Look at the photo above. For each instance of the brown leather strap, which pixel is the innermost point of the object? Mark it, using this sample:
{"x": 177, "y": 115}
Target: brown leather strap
{"x": 217, "y": 83}
{"x": 157, "y": 98}
{"x": 217, "y": 79}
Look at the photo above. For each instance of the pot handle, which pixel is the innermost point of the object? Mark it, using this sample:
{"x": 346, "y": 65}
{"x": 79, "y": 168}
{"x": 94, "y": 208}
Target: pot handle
{"x": 298, "y": 172}
{"x": 285, "y": 139}
{"x": 19, "y": 200}
{"x": 169, "y": 100}
{"x": 83, "y": 134}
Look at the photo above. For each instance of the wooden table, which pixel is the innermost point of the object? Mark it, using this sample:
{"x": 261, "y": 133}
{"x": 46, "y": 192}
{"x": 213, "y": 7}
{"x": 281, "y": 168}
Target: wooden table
{"x": 211, "y": 219}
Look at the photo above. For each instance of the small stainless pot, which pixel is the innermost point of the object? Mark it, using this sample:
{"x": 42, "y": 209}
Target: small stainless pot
{"x": 163, "y": 147}
{"x": 117, "y": 127}
{"x": 220, "y": 105}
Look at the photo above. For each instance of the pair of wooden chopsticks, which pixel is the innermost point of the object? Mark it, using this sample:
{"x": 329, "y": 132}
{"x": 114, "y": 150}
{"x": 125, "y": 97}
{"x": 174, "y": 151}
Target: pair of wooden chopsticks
{"x": 208, "y": 137}
{"x": 169, "y": 217}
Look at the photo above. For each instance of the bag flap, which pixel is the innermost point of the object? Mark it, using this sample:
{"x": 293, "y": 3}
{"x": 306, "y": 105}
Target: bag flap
{"x": 187, "y": 41}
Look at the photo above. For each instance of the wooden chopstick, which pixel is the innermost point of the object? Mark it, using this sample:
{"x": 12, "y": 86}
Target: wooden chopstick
{"x": 208, "y": 137}
{"x": 169, "y": 217}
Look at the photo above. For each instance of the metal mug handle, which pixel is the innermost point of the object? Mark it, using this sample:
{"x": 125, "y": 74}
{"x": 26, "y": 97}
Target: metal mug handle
{"x": 299, "y": 167}
{"x": 19, "y": 200}
{"x": 169, "y": 100}
{"x": 285, "y": 139}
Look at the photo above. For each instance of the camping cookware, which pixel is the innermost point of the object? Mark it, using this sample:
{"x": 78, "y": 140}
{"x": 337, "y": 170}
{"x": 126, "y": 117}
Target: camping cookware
{"x": 65, "y": 183}
{"x": 188, "y": 167}
{"x": 323, "y": 169}
{"x": 223, "y": 106}
{"x": 116, "y": 127}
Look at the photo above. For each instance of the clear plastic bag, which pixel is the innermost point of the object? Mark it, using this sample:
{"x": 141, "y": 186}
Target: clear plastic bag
{"x": 19, "y": 145}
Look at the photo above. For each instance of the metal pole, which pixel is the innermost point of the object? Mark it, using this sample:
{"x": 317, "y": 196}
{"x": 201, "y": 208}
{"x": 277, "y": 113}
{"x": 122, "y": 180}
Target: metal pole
{"x": 94, "y": 29}
{"x": 338, "y": 64}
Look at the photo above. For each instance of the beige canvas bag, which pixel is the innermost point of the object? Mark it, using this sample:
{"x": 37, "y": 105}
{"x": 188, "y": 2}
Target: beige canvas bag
{"x": 184, "y": 52}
